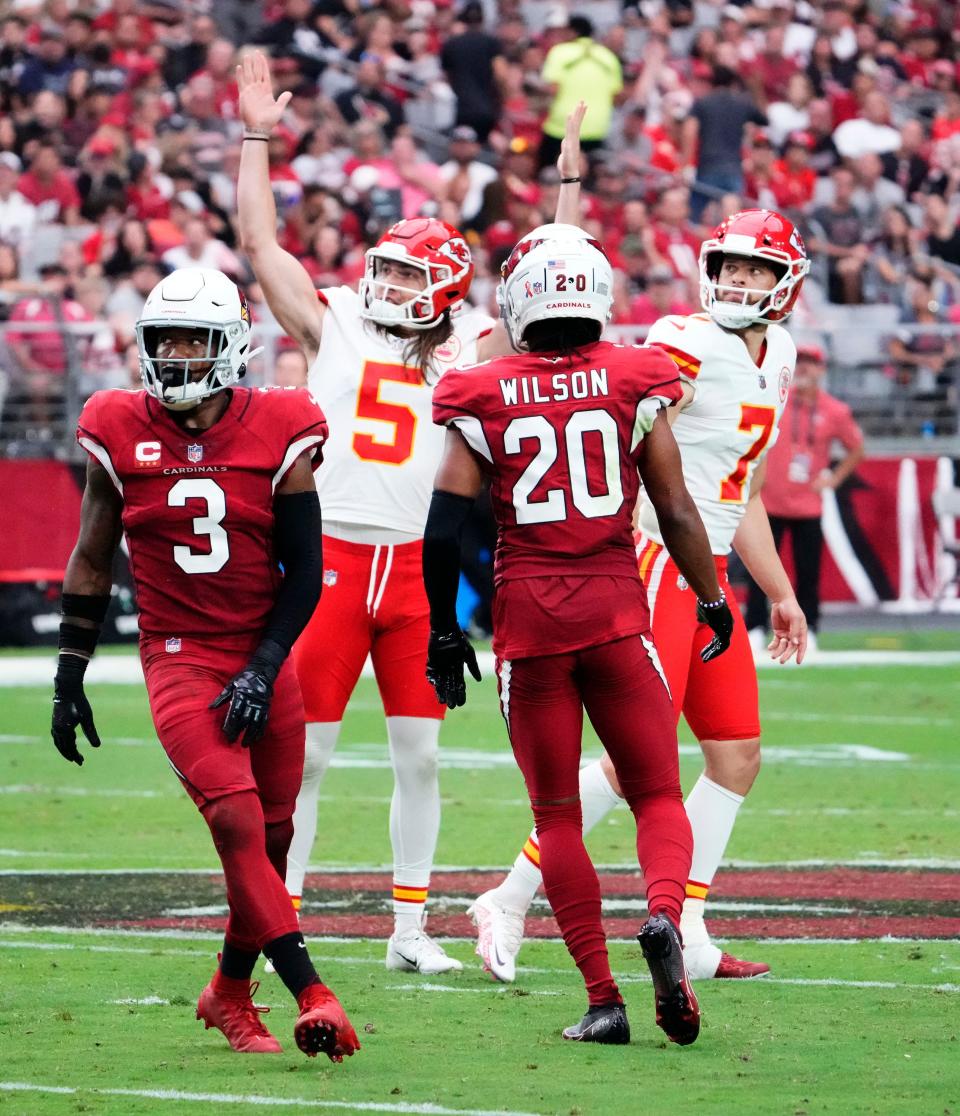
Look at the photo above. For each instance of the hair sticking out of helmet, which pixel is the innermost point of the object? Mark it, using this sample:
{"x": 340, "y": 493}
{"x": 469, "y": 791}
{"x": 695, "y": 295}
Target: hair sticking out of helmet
{"x": 754, "y": 234}
{"x": 440, "y": 268}
{"x": 193, "y": 337}
{"x": 555, "y": 272}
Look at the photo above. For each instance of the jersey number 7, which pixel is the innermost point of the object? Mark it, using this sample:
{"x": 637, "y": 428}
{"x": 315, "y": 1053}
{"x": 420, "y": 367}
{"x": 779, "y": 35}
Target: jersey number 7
{"x": 751, "y": 418}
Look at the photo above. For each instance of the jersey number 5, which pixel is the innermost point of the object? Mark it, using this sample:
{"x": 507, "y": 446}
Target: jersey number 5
{"x": 553, "y": 508}
{"x": 751, "y": 418}
{"x": 202, "y": 488}
{"x": 398, "y": 445}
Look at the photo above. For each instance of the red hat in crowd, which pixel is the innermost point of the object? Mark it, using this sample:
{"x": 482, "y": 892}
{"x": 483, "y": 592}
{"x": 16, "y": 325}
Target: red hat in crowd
{"x": 810, "y": 351}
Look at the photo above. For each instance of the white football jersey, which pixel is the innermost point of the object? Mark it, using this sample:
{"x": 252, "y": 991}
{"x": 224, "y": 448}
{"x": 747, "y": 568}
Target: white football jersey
{"x": 732, "y": 420}
{"x": 383, "y": 451}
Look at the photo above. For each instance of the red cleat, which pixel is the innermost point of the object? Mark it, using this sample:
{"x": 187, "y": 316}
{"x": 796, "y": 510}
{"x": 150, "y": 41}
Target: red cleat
{"x": 238, "y": 1017}
{"x": 731, "y": 968}
{"x": 323, "y": 1027}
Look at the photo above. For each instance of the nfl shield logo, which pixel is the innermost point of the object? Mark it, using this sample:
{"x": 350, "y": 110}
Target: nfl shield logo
{"x": 329, "y": 577}
{"x": 195, "y": 453}
{"x": 172, "y": 645}
{"x": 681, "y": 582}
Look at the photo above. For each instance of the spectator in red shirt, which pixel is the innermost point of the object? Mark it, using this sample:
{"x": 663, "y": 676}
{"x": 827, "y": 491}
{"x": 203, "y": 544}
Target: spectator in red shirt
{"x": 758, "y": 169}
{"x": 49, "y": 187}
{"x": 947, "y": 121}
{"x": 41, "y": 355}
{"x": 798, "y": 471}
{"x": 111, "y": 18}
{"x": 659, "y": 299}
{"x": 219, "y": 70}
{"x": 793, "y": 180}
{"x": 674, "y": 236}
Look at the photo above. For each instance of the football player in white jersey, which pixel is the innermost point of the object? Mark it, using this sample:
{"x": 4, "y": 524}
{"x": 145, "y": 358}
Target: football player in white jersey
{"x": 736, "y": 361}
{"x": 374, "y": 356}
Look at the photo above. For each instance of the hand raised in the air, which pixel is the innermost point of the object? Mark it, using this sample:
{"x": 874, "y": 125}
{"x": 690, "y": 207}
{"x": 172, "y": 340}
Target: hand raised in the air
{"x": 447, "y": 654}
{"x": 718, "y": 617}
{"x": 71, "y": 708}
{"x": 568, "y": 164}
{"x": 259, "y": 111}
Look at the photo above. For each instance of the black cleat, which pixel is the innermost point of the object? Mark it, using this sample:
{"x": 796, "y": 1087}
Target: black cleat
{"x": 678, "y": 1013}
{"x": 606, "y": 1023}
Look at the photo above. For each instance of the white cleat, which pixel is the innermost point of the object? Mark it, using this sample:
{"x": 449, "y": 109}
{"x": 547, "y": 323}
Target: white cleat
{"x": 414, "y": 951}
{"x": 268, "y": 966}
{"x": 499, "y": 936}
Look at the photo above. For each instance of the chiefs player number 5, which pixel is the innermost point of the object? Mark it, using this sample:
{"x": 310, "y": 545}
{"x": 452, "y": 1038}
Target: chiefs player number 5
{"x": 210, "y": 525}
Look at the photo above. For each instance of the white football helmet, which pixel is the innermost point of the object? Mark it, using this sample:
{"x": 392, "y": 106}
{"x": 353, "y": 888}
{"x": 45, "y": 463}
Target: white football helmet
{"x": 202, "y": 299}
{"x": 555, "y": 271}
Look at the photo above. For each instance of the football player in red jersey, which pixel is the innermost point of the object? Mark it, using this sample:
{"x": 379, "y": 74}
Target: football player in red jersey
{"x": 212, "y": 485}
{"x": 565, "y": 431}
{"x": 374, "y": 356}
{"x": 736, "y": 361}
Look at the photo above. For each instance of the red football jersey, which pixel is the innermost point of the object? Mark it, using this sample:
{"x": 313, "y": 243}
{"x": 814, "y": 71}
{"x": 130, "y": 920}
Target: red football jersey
{"x": 198, "y": 505}
{"x": 560, "y": 438}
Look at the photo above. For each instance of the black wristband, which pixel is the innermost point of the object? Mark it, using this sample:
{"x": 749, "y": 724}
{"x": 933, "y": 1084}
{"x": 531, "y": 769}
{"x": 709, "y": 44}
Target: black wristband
{"x": 84, "y": 606}
{"x": 569, "y": 181}
{"x": 268, "y": 658}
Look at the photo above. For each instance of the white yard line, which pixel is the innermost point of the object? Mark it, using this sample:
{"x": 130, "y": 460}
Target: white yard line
{"x": 32, "y": 670}
{"x": 255, "y": 1099}
{"x": 867, "y": 860}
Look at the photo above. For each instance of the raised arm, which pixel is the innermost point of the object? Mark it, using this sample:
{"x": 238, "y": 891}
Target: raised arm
{"x": 497, "y": 343}
{"x": 286, "y": 285}
{"x": 568, "y": 164}
{"x": 86, "y": 597}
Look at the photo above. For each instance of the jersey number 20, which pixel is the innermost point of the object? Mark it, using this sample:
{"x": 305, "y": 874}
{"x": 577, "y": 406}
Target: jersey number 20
{"x": 553, "y": 508}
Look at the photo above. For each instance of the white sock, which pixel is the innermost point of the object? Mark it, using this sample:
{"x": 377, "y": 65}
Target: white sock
{"x": 597, "y": 799}
{"x": 712, "y": 810}
{"x": 414, "y": 814}
{"x": 321, "y": 740}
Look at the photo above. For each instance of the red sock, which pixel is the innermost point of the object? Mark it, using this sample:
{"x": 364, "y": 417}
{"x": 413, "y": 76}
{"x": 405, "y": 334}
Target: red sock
{"x": 571, "y": 884}
{"x": 664, "y": 848}
{"x": 254, "y": 890}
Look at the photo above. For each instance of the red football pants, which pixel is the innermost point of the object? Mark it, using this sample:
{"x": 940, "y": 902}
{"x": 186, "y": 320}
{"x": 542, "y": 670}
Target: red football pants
{"x": 542, "y": 700}
{"x": 246, "y": 795}
{"x": 719, "y": 699}
{"x": 373, "y": 603}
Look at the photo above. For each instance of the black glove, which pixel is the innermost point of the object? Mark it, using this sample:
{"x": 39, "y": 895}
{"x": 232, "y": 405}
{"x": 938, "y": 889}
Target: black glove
{"x": 249, "y": 694}
{"x": 447, "y": 654}
{"x": 71, "y": 708}
{"x": 718, "y": 617}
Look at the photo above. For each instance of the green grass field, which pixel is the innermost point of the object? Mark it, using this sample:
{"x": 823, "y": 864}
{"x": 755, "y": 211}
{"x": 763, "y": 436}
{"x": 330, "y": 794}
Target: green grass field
{"x": 858, "y": 794}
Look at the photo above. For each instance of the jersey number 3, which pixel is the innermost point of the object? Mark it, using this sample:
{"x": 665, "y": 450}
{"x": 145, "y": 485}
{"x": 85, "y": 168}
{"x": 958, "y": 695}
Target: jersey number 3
{"x": 211, "y": 525}
{"x": 398, "y": 445}
{"x": 553, "y": 508}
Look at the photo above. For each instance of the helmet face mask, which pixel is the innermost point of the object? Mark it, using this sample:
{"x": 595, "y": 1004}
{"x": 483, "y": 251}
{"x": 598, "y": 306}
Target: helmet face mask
{"x": 430, "y": 246}
{"x": 556, "y": 271}
{"x": 205, "y": 303}
{"x": 183, "y": 381}
{"x": 753, "y": 234}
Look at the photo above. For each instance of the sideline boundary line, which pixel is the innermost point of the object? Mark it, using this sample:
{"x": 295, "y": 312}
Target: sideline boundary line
{"x": 34, "y": 670}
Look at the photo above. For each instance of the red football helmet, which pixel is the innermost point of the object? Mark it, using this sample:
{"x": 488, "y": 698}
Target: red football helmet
{"x": 435, "y": 248}
{"x": 760, "y": 234}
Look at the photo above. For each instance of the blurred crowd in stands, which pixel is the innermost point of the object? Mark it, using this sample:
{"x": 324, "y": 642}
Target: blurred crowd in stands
{"x": 120, "y": 140}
